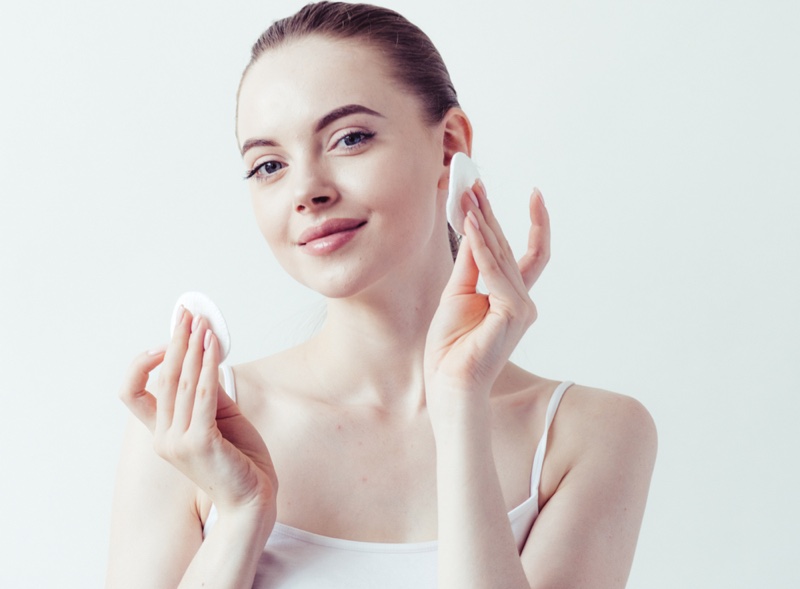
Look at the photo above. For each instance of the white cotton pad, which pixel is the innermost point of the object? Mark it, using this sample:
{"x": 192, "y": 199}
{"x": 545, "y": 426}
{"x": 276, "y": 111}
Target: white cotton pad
{"x": 199, "y": 304}
{"x": 463, "y": 174}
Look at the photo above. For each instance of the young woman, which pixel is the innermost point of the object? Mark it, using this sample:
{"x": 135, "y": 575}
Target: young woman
{"x": 409, "y": 451}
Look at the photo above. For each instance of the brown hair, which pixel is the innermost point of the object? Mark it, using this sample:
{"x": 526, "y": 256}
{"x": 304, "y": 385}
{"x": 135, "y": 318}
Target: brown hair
{"x": 414, "y": 60}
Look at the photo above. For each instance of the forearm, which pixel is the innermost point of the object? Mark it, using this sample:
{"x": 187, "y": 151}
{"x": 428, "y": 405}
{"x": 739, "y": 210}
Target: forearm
{"x": 228, "y": 557}
{"x": 477, "y": 549}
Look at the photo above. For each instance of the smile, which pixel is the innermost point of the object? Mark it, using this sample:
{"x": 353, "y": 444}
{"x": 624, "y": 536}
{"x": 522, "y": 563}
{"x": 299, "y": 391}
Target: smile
{"x": 329, "y": 236}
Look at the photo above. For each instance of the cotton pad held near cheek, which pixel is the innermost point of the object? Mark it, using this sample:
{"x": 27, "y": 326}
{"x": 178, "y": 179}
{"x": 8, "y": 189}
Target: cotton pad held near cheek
{"x": 463, "y": 174}
{"x": 199, "y": 304}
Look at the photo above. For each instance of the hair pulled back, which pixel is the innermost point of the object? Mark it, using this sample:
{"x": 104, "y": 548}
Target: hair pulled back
{"x": 414, "y": 61}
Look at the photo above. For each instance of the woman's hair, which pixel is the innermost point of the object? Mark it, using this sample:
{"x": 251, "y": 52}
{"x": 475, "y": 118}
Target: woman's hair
{"x": 411, "y": 55}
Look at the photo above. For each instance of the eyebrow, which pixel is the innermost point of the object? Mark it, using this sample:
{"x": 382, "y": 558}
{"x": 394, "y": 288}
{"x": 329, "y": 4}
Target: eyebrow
{"x": 250, "y": 143}
{"x": 332, "y": 116}
{"x": 343, "y": 111}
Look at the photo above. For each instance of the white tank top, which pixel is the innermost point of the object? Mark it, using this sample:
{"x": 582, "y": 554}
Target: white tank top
{"x": 297, "y": 559}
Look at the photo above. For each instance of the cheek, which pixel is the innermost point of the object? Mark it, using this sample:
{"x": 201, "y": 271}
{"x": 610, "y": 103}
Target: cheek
{"x": 268, "y": 221}
{"x": 412, "y": 186}
{"x": 402, "y": 179}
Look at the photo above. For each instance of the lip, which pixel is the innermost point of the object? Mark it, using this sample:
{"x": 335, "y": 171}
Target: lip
{"x": 329, "y": 227}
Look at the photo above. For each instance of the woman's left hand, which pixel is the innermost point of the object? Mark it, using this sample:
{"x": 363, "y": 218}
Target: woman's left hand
{"x": 472, "y": 334}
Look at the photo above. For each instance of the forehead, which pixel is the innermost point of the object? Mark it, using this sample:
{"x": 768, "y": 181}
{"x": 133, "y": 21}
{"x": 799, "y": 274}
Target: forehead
{"x": 304, "y": 79}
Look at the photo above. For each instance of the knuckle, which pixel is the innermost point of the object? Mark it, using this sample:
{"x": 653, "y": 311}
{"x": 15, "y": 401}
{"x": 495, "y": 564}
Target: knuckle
{"x": 125, "y": 393}
{"x": 131, "y": 385}
{"x": 128, "y": 397}
{"x": 545, "y": 256}
{"x": 531, "y": 313}
{"x": 183, "y": 386}
{"x": 203, "y": 390}
{"x": 492, "y": 265}
{"x": 539, "y": 250}
{"x": 165, "y": 378}
{"x": 525, "y": 311}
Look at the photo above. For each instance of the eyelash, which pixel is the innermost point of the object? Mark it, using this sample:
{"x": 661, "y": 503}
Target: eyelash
{"x": 255, "y": 170}
{"x": 364, "y": 137}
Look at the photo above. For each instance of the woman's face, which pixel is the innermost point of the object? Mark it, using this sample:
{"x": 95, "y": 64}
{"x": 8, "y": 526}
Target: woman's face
{"x": 345, "y": 173}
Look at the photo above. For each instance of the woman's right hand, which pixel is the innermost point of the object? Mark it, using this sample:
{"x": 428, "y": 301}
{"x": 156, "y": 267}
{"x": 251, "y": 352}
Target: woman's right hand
{"x": 196, "y": 427}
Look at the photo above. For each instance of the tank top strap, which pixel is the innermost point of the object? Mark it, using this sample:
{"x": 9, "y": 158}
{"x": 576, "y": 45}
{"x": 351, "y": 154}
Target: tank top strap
{"x": 538, "y": 458}
{"x": 227, "y": 380}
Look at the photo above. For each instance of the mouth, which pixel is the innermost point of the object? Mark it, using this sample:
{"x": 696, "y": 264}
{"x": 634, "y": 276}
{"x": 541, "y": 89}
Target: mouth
{"x": 330, "y": 227}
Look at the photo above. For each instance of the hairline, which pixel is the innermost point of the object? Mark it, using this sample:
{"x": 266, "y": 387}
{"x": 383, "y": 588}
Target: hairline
{"x": 366, "y": 41}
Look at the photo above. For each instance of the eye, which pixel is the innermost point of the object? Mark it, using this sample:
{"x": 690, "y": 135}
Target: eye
{"x": 265, "y": 169}
{"x": 355, "y": 138}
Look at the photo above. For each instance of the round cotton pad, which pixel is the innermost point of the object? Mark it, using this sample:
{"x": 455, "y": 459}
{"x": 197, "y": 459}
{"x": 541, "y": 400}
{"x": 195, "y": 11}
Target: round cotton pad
{"x": 463, "y": 174}
{"x": 199, "y": 304}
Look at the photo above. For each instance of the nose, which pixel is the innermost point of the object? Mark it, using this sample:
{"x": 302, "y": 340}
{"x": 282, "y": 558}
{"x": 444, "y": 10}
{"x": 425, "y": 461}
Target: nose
{"x": 314, "y": 189}
{"x": 315, "y": 202}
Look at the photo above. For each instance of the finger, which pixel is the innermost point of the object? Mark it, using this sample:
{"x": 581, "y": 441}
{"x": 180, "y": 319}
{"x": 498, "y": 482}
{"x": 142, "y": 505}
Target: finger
{"x": 479, "y": 189}
{"x": 495, "y": 238}
{"x": 532, "y": 263}
{"x": 494, "y": 275}
{"x": 204, "y": 412}
{"x": 133, "y": 392}
{"x": 190, "y": 373}
{"x": 464, "y": 278}
{"x": 170, "y": 372}
{"x": 503, "y": 258}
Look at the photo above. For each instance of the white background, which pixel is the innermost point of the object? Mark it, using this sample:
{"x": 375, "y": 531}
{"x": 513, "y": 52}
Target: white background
{"x": 664, "y": 135}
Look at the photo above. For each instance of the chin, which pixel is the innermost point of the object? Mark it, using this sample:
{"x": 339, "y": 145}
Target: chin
{"x": 364, "y": 273}
{"x": 335, "y": 289}
{"x": 333, "y": 280}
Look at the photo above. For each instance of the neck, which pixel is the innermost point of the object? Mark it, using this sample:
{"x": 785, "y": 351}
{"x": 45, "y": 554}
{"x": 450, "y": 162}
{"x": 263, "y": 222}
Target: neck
{"x": 370, "y": 349}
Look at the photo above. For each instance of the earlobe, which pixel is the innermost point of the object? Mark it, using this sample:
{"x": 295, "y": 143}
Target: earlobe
{"x": 457, "y": 137}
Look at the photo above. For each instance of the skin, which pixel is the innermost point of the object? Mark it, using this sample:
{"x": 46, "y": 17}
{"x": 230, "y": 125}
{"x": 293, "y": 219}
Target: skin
{"x": 425, "y": 424}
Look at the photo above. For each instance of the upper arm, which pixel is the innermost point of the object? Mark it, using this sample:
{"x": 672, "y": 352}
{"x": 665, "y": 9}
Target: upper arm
{"x": 586, "y": 533}
{"x": 155, "y": 524}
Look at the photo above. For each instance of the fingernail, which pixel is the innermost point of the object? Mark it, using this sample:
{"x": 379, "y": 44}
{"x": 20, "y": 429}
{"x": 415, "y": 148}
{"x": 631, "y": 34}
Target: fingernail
{"x": 195, "y": 322}
{"x": 207, "y": 339}
{"x": 472, "y": 219}
{"x": 480, "y": 183}
{"x": 183, "y": 315}
{"x": 157, "y": 350}
{"x": 539, "y": 194}
{"x": 473, "y": 197}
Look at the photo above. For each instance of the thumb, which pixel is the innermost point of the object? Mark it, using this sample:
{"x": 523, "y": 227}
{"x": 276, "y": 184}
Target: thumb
{"x": 464, "y": 278}
{"x": 133, "y": 392}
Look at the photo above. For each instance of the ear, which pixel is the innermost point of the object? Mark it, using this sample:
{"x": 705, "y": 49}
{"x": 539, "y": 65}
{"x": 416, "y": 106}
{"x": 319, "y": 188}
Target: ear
{"x": 457, "y": 136}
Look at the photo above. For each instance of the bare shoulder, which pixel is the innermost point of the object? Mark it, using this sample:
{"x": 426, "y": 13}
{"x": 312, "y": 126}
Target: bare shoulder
{"x": 598, "y": 418}
{"x": 598, "y": 431}
{"x": 586, "y": 415}
{"x": 593, "y": 490}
